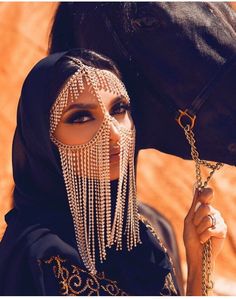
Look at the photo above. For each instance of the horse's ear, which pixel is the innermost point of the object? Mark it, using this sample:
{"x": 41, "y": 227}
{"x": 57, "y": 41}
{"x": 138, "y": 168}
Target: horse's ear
{"x": 62, "y": 32}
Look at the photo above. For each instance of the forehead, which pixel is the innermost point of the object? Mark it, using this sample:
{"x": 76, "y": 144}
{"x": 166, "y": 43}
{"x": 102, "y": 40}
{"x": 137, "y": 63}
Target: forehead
{"x": 88, "y": 97}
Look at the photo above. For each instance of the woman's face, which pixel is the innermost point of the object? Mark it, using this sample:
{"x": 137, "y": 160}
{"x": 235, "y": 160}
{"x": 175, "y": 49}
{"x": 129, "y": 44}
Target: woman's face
{"x": 82, "y": 118}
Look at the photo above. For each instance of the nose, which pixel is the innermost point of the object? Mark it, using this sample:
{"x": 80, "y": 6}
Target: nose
{"x": 114, "y": 132}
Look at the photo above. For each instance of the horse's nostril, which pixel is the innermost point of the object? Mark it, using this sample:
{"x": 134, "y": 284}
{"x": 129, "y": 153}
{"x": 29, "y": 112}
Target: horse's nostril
{"x": 232, "y": 148}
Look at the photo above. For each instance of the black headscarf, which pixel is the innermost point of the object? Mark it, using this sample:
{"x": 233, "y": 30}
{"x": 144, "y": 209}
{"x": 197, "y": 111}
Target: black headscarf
{"x": 36, "y": 167}
{"x": 40, "y": 226}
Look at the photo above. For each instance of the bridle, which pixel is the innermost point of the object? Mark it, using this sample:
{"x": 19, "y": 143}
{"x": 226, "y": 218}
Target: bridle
{"x": 191, "y": 112}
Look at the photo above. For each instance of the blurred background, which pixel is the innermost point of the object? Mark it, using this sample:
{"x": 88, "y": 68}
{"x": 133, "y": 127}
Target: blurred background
{"x": 164, "y": 182}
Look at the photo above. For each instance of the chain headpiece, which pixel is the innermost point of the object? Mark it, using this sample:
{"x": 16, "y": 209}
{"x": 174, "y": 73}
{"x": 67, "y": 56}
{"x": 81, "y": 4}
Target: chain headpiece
{"x": 86, "y": 172}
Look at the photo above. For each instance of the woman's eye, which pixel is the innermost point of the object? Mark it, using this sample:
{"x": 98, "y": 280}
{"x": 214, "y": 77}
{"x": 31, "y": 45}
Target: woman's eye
{"x": 79, "y": 117}
{"x": 120, "y": 108}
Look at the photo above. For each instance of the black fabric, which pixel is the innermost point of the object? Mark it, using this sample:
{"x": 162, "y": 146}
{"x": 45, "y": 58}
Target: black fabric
{"x": 40, "y": 226}
{"x": 141, "y": 271}
{"x": 167, "y": 234}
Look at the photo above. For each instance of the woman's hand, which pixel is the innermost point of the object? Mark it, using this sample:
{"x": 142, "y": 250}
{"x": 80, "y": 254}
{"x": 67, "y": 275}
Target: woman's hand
{"x": 199, "y": 226}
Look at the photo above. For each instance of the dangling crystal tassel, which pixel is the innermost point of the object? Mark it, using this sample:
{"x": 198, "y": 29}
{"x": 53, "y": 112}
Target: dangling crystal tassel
{"x": 86, "y": 172}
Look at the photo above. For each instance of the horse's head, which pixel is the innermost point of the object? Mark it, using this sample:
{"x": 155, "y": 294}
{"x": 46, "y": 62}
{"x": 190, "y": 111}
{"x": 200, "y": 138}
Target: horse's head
{"x": 170, "y": 54}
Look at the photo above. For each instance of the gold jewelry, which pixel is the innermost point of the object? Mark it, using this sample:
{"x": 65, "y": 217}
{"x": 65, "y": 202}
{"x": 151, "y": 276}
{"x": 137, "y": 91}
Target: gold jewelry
{"x": 213, "y": 220}
{"x": 207, "y": 283}
{"x": 86, "y": 172}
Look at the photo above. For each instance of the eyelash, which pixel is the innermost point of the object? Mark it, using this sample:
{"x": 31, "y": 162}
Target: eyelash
{"x": 77, "y": 117}
{"x": 124, "y": 107}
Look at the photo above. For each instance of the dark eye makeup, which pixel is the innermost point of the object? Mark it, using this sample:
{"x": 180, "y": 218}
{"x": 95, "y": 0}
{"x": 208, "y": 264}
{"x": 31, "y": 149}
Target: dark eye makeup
{"x": 80, "y": 117}
{"x": 120, "y": 108}
{"x": 84, "y": 116}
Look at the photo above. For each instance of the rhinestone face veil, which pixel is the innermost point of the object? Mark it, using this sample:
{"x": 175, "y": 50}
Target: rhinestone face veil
{"x": 86, "y": 172}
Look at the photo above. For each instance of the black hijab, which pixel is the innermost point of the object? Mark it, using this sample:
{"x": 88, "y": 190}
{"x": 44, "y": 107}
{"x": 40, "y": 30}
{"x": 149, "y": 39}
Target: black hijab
{"x": 36, "y": 167}
{"x": 40, "y": 226}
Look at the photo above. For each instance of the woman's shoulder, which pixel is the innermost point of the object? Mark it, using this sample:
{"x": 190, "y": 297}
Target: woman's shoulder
{"x": 49, "y": 243}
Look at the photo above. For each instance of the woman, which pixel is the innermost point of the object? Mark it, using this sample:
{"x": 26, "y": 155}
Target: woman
{"x": 75, "y": 228}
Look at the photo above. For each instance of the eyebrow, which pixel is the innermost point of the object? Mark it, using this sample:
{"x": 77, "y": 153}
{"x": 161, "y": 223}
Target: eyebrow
{"x": 85, "y": 106}
{"x": 80, "y": 106}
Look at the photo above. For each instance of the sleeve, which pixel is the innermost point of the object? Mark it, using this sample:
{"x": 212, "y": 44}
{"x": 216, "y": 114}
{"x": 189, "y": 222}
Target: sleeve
{"x": 57, "y": 276}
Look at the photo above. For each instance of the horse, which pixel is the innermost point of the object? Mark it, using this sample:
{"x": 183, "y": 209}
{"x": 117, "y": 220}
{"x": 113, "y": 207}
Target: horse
{"x": 178, "y": 62}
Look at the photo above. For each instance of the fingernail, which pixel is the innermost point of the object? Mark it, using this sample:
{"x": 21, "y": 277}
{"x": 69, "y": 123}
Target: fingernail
{"x": 197, "y": 206}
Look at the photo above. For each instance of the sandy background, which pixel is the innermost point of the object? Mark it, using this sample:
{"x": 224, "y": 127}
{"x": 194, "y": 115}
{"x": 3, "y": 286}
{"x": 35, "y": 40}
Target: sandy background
{"x": 164, "y": 182}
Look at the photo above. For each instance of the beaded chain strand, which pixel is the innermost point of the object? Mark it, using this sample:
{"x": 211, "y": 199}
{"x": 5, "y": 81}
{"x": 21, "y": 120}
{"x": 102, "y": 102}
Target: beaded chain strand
{"x": 86, "y": 172}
